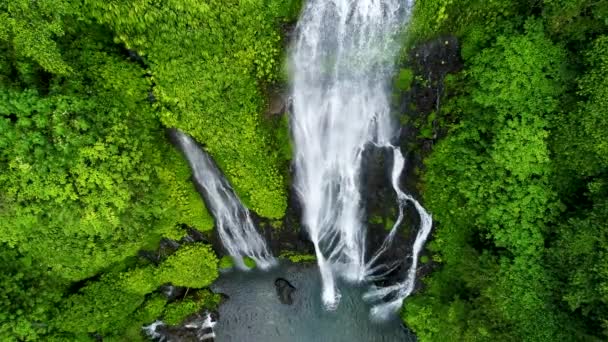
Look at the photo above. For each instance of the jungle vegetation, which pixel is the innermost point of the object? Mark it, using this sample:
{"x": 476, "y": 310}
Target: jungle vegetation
{"x": 87, "y": 177}
{"x": 518, "y": 179}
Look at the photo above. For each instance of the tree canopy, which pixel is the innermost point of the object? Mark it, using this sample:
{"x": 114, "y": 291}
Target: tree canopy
{"x": 517, "y": 185}
{"x": 88, "y": 179}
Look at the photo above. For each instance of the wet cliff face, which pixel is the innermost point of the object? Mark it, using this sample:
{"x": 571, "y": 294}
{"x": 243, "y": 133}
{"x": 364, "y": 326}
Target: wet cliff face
{"x": 420, "y": 107}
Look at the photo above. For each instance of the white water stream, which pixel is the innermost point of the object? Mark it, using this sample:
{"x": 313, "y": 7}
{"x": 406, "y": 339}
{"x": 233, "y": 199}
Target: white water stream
{"x": 233, "y": 221}
{"x": 342, "y": 62}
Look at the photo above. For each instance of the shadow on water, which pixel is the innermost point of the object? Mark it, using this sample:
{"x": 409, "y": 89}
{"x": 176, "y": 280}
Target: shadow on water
{"x": 254, "y": 311}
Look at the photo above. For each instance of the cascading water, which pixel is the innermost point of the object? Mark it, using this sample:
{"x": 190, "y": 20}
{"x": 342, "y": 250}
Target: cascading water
{"x": 233, "y": 221}
{"x": 342, "y": 63}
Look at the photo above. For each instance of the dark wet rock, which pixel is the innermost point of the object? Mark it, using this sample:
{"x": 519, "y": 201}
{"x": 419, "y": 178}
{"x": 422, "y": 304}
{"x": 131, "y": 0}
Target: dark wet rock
{"x": 151, "y": 96}
{"x": 277, "y": 102}
{"x": 381, "y": 210}
{"x": 289, "y": 30}
{"x": 136, "y": 57}
{"x": 194, "y": 235}
{"x": 289, "y": 234}
{"x": 168, "y": 246}
{"x": 284, "y": 291}
{"x": 151, "y": 256}
{"x": 173, "y": 292}
{"x": 437, "y": 58}
{"x": 431, "y": 62}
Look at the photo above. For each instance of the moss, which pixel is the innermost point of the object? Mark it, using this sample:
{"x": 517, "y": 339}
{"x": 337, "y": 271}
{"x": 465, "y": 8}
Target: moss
{"x": 389, "y": 223}
{"x": 249, "y": 262}
{"x": 226, "y": 263}
{"x": 404, "y": 79}
{"x": 192, "y": 265}
{"x": 375, "y": 219}
{"x": 176, "y": 312}
{"x": 152, "y": 309}
{"x": 297, "y": 257}
{"x": 276, "y": 224}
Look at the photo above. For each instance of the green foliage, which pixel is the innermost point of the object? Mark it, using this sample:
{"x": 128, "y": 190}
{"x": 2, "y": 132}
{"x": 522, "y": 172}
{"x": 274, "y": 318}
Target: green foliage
{"x": 404, "y": 79}
{"x": 103, "y": 307}
{"x": 576, "y": 20}
{"x": 479, "y": 24}
{"x": 578, "y": 253}
{"x": 28, "y": 299}
{"x": 177, "y": 312}
{"x": 206, "y": 60}
{"x": 297, "y": 257}
{"x": 375, "y": 219}
{"x": 580, "y": 256}
{"x": 276, "y": 224}
{"x": 517, "y": 188}
{"x": 500, "y": 194}
{"x": 581, "y": 140}
{"x": 283, "y": 140}
{"x": 249, "y": 262}
{"x": 31, "y": 29}
{"x": 191, "y": 266}
{"x": 225, "y": 262}
{"x": 117, "y": 302}
{"x": 56, "y": 167}
{"x": 152, "y": 309}
{"x": 83, "y": 167}
{"x": 190, "y": 209}
{"x": 87, "y": 178}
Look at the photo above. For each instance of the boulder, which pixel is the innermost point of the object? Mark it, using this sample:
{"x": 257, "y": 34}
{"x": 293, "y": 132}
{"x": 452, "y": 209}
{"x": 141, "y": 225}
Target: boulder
{"x": 284, "y": 291}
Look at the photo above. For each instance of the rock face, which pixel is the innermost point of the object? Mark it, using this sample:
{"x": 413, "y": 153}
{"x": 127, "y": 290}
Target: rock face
{"x": 277, "y": 102}
{"x": 380, "y": 211}
{"x": 284, "y": 290}
{"x": 431, "y": 62}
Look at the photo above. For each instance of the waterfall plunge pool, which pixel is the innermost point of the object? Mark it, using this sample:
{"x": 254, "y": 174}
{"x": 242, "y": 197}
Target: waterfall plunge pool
{"x": 254, "y": 313}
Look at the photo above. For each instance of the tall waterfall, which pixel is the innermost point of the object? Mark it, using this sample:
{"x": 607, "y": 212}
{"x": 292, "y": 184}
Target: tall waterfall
{"x": 342, "y": 62}
{"x": 233, "y": 221}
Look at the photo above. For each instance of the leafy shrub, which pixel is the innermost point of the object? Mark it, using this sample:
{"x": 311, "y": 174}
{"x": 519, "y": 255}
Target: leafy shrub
{"x": 191, "y": 266}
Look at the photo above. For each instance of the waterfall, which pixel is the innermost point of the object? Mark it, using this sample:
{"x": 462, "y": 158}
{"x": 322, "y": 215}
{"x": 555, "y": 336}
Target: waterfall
{"x": 342, "y": 62}
{"x": 202, "y": 327}
{"x": 233, "y": 221}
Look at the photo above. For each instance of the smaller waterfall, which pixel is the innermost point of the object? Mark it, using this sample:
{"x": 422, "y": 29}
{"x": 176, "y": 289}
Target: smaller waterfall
{"x": 233, "y": 221}
{"x": 201, "y": 327}
{"x": 150, "y": 330}
{"x": 397, "y": 292}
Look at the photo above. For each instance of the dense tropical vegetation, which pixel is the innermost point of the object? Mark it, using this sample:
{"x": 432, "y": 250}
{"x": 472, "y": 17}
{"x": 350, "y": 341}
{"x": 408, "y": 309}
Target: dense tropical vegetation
{"x": 518, "y": 181}
{"x": 87, "y": 178}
